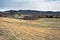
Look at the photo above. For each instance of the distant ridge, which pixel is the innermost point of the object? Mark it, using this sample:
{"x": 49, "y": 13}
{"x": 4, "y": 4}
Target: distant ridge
{"x": 31, "y": 11}
{"x": 41, "y": 14}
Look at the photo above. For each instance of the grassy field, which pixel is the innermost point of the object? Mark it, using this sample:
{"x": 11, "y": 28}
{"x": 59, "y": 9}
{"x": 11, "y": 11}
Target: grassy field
{"x": 17, "y": 29}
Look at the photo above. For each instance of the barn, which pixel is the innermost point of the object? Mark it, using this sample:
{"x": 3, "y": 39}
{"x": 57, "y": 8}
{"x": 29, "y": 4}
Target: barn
{"x": 28, "y": 17}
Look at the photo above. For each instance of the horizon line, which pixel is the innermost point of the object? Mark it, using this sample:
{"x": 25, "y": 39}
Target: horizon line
{"x": 28, "y": 9}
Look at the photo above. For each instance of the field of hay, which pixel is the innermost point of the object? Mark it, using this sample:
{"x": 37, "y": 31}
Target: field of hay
{"x": 17, "y": 29}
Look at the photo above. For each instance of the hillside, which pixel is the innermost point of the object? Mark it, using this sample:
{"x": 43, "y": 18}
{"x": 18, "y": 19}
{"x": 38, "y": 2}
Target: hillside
{"x": 17, "y": 29}
{"x": 34, "y": 13}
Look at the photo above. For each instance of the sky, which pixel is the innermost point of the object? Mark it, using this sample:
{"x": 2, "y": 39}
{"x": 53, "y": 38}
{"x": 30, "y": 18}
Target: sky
{"x": 41, "y": 5}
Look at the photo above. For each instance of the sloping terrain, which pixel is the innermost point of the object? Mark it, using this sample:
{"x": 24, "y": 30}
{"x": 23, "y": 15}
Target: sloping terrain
{"x": 42, "y": 29}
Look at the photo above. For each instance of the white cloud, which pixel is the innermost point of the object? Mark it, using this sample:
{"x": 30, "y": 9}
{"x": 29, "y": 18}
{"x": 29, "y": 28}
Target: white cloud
{"x": 42, "y": 6}
{"x": 34, "y": 5}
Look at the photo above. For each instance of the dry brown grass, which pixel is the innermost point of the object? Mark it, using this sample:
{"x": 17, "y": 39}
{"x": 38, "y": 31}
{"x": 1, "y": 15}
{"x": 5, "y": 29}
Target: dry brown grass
{"x": 15, "y": 29}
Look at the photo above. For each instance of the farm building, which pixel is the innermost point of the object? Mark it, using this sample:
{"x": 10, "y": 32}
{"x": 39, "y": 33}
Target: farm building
{"x": 27, "y": 17}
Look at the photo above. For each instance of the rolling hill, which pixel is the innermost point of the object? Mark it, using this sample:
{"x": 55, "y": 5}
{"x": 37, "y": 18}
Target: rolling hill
{"x": 39, "y": 14}
{"x": 17, "y": 29}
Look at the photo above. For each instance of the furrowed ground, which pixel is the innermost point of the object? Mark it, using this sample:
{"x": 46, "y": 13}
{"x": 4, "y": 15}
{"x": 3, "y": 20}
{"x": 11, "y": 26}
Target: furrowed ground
{"x": 42, "y": 29}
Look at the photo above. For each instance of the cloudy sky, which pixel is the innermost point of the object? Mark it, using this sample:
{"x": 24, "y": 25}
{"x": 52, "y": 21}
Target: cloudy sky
{"x": 43, "y": 5}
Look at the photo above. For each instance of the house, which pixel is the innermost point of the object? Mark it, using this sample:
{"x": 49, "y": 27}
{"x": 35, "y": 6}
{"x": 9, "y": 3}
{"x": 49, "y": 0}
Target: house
{"x": 28, "y": 17}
